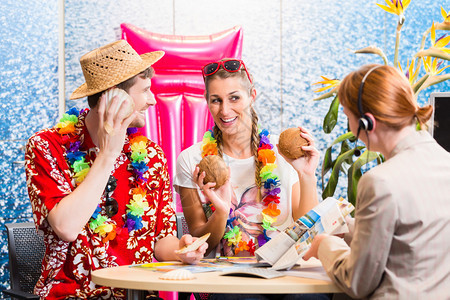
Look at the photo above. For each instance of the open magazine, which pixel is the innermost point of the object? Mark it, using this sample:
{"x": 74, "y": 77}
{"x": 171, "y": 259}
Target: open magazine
{"x": 287, "y": 247}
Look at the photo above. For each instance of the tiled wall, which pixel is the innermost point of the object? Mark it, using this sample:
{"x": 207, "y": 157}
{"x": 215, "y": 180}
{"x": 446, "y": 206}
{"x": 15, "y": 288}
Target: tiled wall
{"x": 28, "y": 100}
{"x": 288, "y": 44}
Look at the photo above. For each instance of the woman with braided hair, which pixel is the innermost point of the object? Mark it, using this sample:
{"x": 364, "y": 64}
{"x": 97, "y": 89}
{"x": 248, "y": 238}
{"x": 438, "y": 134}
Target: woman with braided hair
{"x": 265, "y": 192}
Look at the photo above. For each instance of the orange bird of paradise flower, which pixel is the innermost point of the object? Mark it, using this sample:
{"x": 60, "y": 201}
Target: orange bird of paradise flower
{"x": 396, "y": 7}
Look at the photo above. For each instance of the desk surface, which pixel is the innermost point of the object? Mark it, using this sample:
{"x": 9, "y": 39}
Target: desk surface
{"x": 209, "y": 282}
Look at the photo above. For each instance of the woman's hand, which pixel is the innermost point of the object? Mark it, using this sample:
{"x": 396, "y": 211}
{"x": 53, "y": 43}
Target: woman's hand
{"x": 313, "y": 251}
{"x": 308, "y": 163}
{"x": 220, "y": 198}
{"x": 194, "y": 256}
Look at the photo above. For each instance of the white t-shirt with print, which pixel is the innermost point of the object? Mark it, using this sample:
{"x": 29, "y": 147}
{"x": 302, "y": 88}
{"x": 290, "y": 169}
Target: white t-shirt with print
{"x": 242, "y": 179}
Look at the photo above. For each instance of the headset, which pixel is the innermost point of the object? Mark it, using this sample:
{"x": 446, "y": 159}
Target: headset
{"x": 365, "y": 122}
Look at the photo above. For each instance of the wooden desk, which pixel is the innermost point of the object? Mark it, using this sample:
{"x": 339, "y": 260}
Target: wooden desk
{"x": 134, "y": 279}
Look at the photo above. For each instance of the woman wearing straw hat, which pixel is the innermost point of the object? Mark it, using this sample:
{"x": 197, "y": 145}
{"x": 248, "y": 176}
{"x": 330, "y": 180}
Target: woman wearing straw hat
{"x": 100, "y": 190}
{"x": 402, "y": 221}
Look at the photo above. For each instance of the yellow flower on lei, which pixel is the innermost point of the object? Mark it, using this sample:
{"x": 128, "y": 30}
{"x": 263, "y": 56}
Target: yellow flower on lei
{"x": 104, "y": 229}
{"x": 67, "y": 124}
{"x": 79, "y": 176}
{"x": 139, "y": 151}
{"x": 236, "y": 239}
{"x": 266, "y": 172}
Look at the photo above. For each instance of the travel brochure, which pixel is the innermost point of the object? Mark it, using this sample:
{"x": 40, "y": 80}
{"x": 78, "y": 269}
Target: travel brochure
{"x": 207, "y": 265}
{"x": 282, "y": 252}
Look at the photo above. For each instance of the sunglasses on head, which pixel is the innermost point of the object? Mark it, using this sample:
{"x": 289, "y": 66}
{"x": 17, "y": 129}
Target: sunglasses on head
{"x": 230, "y": 65}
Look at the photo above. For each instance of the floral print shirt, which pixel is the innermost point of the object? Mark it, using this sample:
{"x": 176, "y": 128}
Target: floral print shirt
{"x": 67, "y": 266}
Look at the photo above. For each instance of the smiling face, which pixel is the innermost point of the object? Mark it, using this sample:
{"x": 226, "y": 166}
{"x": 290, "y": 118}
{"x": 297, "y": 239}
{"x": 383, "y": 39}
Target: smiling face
{"x": 229, "y": 102}
{"x": 143, "y": 98}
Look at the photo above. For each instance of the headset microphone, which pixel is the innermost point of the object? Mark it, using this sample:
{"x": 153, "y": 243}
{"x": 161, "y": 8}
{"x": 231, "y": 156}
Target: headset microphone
{"x": 356, "y": 151}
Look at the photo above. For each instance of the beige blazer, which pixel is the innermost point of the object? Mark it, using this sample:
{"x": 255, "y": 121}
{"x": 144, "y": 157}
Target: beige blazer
{"x": 401, "y": 241}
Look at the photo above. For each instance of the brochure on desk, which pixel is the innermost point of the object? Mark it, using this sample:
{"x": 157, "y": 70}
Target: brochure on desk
{"x": 286, "y": 248}
{"x": 224, "y": 264}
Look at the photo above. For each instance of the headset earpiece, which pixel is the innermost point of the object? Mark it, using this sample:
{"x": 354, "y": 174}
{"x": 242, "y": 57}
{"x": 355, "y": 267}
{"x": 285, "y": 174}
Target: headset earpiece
{"x": 365, "y": 123}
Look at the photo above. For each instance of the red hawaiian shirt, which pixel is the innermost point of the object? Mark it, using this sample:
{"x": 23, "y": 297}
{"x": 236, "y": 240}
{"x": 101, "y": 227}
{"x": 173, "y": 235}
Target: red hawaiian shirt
{"x": 67, "y": 266}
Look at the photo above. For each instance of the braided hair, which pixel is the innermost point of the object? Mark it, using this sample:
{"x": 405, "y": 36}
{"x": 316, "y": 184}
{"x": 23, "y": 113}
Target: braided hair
{"x": 254, "y": 142}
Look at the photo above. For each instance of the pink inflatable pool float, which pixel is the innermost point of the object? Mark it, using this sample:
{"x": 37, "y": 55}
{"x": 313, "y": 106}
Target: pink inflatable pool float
{"x": 181, "y": 116}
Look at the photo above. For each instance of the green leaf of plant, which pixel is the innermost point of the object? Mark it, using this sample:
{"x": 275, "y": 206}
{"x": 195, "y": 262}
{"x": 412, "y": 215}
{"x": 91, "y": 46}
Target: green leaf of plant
{"x": 353, "y": 179}
{"x": 442, "y": 26}
{"x": 432, "y": 80}
{"x": 331, "y": 117}
{"x": 328, "y": 162}
{"x": 344, "y": 148}
{"x": 433, "y": 52}
{"x": 354, "y": 173}
{"x": 342, "y": 137}
{"x": 420, "y": 82}
{"x": 373, "y": 50}
{"x": 334, "y": 177}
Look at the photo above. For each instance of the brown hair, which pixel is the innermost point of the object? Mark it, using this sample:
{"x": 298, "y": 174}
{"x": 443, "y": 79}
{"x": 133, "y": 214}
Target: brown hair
{"x": 254, "y": 144}
{"x": 125, "y": 85}
{"x": 387, "y": 95}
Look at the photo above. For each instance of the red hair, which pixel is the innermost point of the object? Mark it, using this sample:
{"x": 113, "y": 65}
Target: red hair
{"x": 387, "y": 95}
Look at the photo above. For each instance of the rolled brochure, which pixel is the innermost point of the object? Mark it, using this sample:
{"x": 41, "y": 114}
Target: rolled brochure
{"x": 288, "y": 246}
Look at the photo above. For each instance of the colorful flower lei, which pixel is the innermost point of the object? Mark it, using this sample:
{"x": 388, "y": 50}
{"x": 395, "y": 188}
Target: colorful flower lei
{"x": 100, "y": 223}
{"x": 271, "y": 184}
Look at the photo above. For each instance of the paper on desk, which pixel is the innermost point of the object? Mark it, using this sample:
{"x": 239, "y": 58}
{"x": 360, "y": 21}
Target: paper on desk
{"x": 313, "y": 273}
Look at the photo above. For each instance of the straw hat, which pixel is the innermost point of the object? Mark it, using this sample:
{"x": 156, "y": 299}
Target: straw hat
{"x": 110, "y": 65}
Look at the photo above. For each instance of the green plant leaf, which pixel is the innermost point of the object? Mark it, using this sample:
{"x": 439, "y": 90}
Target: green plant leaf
{"x": 344, "y": 148}
{"x": 334, "y": 177}
{"x": 432, "y": 80}
{"x": 373, "y": 50}
{"x": 442, "y": 26}
{"x": 354, "y": 173}
{"x": 328, "y": 162}
{"x": 419, "y": 83}
{"x": 433, "y": 52}
{"x": 331, "y": 117}
{"x": 353, "y": 179}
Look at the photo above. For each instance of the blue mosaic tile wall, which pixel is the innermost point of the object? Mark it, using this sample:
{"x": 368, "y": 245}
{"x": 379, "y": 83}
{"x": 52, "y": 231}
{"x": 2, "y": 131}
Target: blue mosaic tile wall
{"x": 29, "y": 100}
{"x": 288, "y": 44}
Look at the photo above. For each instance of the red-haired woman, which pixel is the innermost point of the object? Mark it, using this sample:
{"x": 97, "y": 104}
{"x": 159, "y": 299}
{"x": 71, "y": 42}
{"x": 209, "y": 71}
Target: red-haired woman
{"x": 399, "y": 244}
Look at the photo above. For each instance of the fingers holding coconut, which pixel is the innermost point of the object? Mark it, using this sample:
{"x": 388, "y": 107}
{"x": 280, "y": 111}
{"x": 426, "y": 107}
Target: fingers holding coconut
{"x": 310, "y": 149}
{"x": 213, "y": 180}
{"x": 296, "y": 145}
{"x": 215, "y": 170}
{"x": 291, "y": 142}
{"x": 199, "y": 178}
{"x": 307, "y": 136}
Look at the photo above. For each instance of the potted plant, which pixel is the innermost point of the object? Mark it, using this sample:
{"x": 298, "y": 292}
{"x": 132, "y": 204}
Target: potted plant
{"x": 432, "y": 60}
